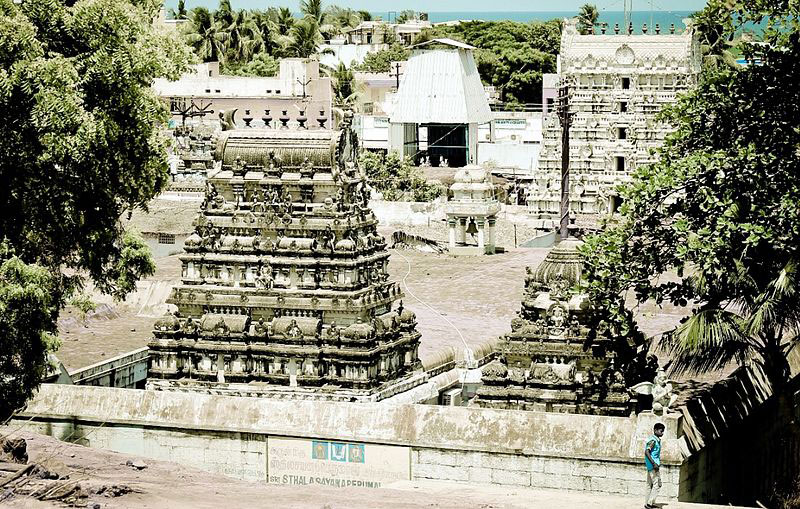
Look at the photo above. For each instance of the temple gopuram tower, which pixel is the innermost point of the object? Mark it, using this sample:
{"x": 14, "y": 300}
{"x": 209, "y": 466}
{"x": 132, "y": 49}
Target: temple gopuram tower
{"x": 284, "y": 282}
{"x": 543, "y": 364}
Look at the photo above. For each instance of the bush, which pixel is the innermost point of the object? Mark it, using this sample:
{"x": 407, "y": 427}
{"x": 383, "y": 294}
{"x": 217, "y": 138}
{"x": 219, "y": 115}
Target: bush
{"x": 397, "y": 178}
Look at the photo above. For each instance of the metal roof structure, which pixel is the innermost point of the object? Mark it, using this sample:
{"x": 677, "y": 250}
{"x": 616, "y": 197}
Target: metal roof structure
{"x": 441, "y": 86}
{"x": 445, "y": 41}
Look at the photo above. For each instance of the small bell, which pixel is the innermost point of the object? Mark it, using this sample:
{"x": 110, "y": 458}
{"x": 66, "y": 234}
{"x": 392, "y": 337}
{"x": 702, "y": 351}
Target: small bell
{"x": 472, "y": 228}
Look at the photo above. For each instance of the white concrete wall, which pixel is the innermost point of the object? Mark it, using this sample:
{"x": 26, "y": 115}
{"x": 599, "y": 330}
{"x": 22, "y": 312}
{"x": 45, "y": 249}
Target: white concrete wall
{"x": 347, "y": 53}
{"x": 227, "y": 435}
{"x": 407, "y": 212}
{"x": 509, "y": 155}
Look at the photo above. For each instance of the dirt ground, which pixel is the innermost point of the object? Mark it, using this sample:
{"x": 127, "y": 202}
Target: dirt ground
{"x": 161, "y": 484}
{"x": 474, "y": 297}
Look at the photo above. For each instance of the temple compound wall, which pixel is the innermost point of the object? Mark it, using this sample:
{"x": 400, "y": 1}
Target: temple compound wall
{"x": 618, "y": 83}
{"x": 258, "y": 439}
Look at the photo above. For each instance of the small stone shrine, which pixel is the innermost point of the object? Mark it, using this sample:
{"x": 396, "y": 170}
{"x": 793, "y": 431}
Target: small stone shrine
{"x": 284, "y": 281}
{"x": 471, "y": 213}
{"x": 543, "y": 364}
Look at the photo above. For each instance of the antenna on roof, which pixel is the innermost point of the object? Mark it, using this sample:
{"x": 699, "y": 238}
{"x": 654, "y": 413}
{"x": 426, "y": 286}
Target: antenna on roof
{"x": 627, "y": 8}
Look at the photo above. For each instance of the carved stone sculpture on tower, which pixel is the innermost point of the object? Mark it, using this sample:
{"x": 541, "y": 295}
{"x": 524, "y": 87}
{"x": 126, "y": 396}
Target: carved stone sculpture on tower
{"x": 543, "y": 364}
{"x": 281, "y": 288}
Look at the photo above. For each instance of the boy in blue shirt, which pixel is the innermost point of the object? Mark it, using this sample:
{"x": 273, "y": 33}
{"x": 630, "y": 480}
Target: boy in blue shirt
{"x": 652, "y": 460}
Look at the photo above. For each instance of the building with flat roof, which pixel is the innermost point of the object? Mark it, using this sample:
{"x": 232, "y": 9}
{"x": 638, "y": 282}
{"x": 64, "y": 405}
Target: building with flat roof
{"x": 297, "y": 97}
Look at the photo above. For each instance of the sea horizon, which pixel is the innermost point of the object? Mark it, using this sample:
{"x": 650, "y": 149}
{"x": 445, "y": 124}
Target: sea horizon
{"x": 663, "y": 18}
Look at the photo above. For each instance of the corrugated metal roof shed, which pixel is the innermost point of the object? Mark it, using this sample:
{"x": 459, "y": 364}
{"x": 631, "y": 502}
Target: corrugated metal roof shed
{"x": 441, "y": 86}
{"x": 445, "y": 41}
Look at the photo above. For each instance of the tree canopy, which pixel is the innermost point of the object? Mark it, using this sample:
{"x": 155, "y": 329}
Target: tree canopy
{"x": 511, "y": 56}
{"x": 587, "y": 19}
{"x": 82, "y": 145}
{"x": 720, "y": 211}
{"x": 380, "y": 61}
{"x": 245, "y": 41}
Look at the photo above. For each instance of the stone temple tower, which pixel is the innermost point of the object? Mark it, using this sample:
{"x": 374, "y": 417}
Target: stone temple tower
{"x": 544, "y": 362}
{"x": 284, "y": 281}
{"x": 617, "y": 85}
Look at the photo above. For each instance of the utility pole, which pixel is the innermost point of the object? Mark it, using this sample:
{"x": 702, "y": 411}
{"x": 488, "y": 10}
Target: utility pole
{"x": 565, "y": 117}
{"x": 396, "y": 75}
{"x": 304, "y": 83}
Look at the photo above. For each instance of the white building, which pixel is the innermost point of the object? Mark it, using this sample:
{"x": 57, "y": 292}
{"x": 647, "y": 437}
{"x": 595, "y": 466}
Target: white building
{"x": 617, "y": 85}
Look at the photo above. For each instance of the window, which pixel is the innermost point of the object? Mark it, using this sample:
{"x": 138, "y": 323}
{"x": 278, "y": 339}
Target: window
{"x": 622, "y": 133}
{"x": 620, "y": 163}
{"x": 550, "y": 102}
{"x": 626, "y": 83}
{"x": 623, "y": 106}
{"x": 166, "y": 238}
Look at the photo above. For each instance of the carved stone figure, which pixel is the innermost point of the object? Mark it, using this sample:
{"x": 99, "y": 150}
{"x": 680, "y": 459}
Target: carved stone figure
{"x": 661, "y": 390}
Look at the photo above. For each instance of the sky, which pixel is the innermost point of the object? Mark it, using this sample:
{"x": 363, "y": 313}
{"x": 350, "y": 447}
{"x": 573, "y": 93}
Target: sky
{"x": 482, "y": 5}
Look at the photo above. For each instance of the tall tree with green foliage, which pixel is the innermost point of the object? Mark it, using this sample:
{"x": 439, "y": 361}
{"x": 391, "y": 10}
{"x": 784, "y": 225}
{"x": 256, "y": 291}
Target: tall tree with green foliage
{"x": 82, "y": 146}
{"x": 716, "y": 41}
{"x": 720, "y": 210}
{"x": 344, "y": 85}
{"x": 380, "y": 61}
{"x": 587, "y": 19}
{"x": 204, "y": 35}
{"x": 405, "y": 16}
{"x": 304, "y": 39}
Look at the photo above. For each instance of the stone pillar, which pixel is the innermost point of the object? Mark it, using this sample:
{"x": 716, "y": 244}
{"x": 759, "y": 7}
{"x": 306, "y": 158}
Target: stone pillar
{"x": 481, "y": 235}
{"x": 492, "y": 242}
{"x": 220, "y": 368}
{"x": 461, "y": 233}
{"x": 451, "y": 224}
{"x": 293, "y": 373}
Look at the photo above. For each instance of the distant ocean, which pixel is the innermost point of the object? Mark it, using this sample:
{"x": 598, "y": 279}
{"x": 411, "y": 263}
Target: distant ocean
{"x": 663, "y": 18}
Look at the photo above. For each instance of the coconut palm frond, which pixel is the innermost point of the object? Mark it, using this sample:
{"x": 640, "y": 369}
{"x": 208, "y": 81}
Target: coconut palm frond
{"x": 708, "y": 340}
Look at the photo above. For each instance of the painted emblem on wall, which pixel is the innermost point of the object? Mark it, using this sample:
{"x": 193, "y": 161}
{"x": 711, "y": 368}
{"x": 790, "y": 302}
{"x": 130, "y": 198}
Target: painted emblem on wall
{"x": 355, "y": 453}
{"x": 319, "y": 450}
{"x": 338, "y": 451}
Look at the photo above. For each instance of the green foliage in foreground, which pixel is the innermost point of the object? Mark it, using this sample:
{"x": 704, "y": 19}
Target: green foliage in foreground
{"x": 721, "y": 209}
{"x": 397, "y": 178}
{"x": 82, "y": 145}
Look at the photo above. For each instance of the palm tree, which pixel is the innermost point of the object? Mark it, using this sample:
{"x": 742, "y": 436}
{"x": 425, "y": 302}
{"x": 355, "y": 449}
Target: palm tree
{"x": 204, "y": 35}
{"x": 224, "y": 14}
{"x": 284, "y": 20}
{"x": 242, "y": 37}
{"x": 587, "y": 19}
{"x": 267, "y": 29}
{"x": 344, "y": 85}
{"x": 312, "y": 9}
{"x": 365, "y": 15}
{"x": 761, "y": 325}
{"x": 304, "y": 39}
